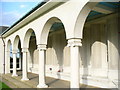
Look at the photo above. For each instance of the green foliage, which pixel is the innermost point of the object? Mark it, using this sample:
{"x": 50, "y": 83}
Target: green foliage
{"x": 3, "y": 86}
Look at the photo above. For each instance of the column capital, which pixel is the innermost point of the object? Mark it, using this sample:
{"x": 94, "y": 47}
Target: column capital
{"x": 14, "y": 51}
{"x": 75, "y": 42}
{"x": 24, "y": 49}
{"x": 41, "y": 47}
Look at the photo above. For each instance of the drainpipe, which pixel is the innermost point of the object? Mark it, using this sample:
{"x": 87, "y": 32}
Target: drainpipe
{"x": 4, "y": 53}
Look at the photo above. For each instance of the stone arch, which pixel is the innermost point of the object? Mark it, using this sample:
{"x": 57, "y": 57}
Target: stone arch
{"x": 27, "y": 44}
{"x": 16, "y": 42}
{"x": 80, "y": 21}
{"x": 47, "y": 27}
{"x": 8, "y": 45}
{"x": 54, "y": 36}
{"x": 78, "y": 30}
{"x": 7, "y": 61}
{"x": 82, "y": 16}
{"x": 27, "y": 38}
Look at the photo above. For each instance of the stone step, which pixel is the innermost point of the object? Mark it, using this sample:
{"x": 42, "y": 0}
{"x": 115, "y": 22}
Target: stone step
{"x": 33, "y": 82}
{"x": 11, "y": 85}
{"x": 17, "y": 83}
{"x": 29, "y": 82}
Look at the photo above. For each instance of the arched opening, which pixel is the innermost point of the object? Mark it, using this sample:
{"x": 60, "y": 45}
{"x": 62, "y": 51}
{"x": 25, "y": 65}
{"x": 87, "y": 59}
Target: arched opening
{"x": 9, "y": 62}
{"x": 57, "y": 56}
{"x": 100, "y": 52}
{"x": 56, "y": 46}
{"x": 30, "y": 44}
{"x": 33, "y": 62}
{"x": 17, "y": 46}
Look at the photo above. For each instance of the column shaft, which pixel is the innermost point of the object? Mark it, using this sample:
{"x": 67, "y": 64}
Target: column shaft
{"x": 14, "y": 64}
{"x": 7, "y": 62}
{"x": 42, "y": 49}
{"x": 75, "y": 67}
{"x": 24, "y": 66}
{"x": 75, "y": 59}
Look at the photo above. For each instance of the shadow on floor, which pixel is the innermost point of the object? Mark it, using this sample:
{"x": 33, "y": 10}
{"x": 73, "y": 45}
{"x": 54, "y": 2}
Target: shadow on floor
{"x": 53, "y": 82}
{"x": 33, "y": 78}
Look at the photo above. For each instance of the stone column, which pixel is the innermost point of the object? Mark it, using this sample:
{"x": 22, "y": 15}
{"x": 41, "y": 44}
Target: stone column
{"x": 74, "y": 58}
{"x": 41, "y": 50}
{"x": 24, "y": 64}
{"x": 14, "y": 63}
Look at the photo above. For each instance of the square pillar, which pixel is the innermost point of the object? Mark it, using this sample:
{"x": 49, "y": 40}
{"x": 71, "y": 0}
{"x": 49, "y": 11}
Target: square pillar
{"x": 14, "y": 63}
{"x": 24, "y": 64}
{"x": 42, "y": 49}
{"x": 7, "y": 62}
{"x": 74, "y": 45}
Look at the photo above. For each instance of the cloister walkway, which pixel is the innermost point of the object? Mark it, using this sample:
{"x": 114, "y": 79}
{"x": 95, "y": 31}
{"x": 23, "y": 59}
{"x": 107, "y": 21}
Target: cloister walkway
{"x": 15, "y": 82}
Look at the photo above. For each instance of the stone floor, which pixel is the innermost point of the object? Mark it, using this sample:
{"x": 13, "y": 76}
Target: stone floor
{"x": 15, "y": 82}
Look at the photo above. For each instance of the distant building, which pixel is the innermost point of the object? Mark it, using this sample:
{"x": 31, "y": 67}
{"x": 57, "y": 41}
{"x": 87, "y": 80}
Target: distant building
{"x": 3, "y": 28}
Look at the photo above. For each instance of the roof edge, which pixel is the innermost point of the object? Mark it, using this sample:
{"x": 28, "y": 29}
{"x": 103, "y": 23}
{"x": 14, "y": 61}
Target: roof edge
{"x": 27, "y": 14}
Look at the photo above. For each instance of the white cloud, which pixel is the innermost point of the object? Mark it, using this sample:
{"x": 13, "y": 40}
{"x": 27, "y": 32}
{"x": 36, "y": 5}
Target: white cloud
{"x": 9, "y": 18}
{"x": 23, "y": 6}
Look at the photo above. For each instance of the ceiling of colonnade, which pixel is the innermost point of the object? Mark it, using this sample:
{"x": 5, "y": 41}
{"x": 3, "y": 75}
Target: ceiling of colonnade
{"x": 100, "y": 10}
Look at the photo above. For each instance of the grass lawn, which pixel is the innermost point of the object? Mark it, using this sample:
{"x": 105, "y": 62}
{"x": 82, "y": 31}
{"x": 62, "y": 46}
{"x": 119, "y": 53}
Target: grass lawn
{"x": 3, "y": 85}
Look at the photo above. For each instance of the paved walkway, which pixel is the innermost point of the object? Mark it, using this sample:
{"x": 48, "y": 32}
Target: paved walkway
{"x": 15, "y": 82}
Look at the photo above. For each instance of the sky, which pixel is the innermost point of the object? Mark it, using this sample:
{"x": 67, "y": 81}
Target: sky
{"x": 11, "y": 11}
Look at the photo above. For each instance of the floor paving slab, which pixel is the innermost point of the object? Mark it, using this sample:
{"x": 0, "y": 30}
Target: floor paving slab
{"x": 15, "y": 82}
{"x": 33, "y": 81}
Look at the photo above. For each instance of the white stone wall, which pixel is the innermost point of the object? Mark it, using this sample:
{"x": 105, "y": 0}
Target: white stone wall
{"x": 99, "y": 54}
{"x": 1, "y": 55}
{"x": 96, "y": 58}
{"x": 95, "y": 50}
{"x": 32, "y": 56}
{"x": 113, "y": 49}
{"x": 57, "y": 56}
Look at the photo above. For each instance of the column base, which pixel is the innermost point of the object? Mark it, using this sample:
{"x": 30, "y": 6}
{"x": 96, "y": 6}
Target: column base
{"x": 6, "y": 72}
{"x": 42, "y": 86}
{"x": 24, "y": 79}
{"x": 14, "y": 75}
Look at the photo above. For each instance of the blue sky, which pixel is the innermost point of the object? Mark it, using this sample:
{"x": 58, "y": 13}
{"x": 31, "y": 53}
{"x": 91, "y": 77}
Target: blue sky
{"x": 12, "y": 11}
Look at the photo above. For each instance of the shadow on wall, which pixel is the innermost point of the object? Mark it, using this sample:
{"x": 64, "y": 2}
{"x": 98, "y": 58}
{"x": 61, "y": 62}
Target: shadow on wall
{"x": 57, "y": 41}
{"x": 94, "y": 44}
{"x": 59, "y": 50}
{"x": 97, "y": 41}
{"x": 32, "y": 50}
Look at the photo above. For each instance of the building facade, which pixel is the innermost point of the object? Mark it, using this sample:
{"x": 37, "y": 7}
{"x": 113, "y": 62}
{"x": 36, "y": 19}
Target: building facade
{"x": 77, "y": 41}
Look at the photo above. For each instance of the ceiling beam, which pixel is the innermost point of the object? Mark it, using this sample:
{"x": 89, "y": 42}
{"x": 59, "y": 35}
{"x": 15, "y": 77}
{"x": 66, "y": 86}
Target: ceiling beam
{"x": 103, "y": 9}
